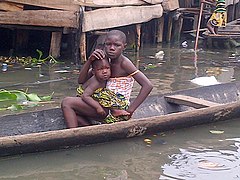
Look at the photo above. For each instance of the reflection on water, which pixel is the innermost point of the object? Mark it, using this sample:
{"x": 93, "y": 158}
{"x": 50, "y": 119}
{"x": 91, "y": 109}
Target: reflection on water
{"x": 204, "y": 163}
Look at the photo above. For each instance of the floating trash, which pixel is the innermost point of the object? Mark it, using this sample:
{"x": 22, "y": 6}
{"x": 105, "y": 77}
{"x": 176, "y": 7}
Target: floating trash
{"x": 184, "y": 44}
{"x": 205, "y": 81}
{"x": 159, "y": 55}
{"x": 4, "y": 67}
{"x": 148, "y": 141}
{"x": 216, "y": 131}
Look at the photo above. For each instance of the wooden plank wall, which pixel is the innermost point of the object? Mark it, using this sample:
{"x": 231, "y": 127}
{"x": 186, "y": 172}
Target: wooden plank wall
{"x": 120, "y": 16}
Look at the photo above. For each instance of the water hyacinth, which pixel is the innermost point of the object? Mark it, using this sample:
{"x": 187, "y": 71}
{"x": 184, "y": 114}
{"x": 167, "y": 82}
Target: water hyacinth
{"x": 17, "y": 100}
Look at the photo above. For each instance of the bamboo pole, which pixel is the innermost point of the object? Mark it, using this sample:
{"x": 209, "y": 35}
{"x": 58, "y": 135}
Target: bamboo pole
{"x": 198, "y": 27}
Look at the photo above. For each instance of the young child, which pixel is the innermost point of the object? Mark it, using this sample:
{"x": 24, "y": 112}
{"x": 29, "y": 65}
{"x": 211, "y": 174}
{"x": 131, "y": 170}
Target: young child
{"x": 94, "y": 93}
{"x": 218, "y": 18}
{"x": 123, "y": 74}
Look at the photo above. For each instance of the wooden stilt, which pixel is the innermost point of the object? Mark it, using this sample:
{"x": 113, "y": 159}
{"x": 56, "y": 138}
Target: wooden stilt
{"x": 160, "y": 29}
{"x": 21, "y": 39}
{"x": 55, "y": 45}
{"x": 138, "y": 37}
{"x": 177, "y": 29}
{"x": 169, "y": 32}
{"x": 237, "y": 12}
{"x": 230, "y": 13}
{"x": 83, "y": 52}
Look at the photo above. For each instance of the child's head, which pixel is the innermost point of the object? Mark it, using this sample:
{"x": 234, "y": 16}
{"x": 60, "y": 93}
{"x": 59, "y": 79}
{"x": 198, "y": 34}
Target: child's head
{"x": 115, "y": 43}
{"x": 101, "y": 69}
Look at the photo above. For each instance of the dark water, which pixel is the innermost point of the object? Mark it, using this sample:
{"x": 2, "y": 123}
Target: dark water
{"x": 193, "y": 153}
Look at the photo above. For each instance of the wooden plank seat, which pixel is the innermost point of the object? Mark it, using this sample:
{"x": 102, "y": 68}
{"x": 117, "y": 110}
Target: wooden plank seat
{"x": 189, "y": 101}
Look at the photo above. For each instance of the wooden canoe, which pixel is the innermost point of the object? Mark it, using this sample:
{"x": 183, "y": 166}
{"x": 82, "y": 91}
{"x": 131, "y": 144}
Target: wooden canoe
{"x": 45, "y": 130}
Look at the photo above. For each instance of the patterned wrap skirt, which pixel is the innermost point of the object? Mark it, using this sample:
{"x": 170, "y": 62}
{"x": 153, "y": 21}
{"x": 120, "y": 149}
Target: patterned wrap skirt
{"x": 218, "y": 19}
{"x": 108, "y": 99}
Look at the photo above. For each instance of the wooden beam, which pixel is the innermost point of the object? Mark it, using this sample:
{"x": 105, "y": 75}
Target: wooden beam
{"x": 114, "y": 3}
{"x": 189, "y": 101}
{"x": 54, "y": 18}
{"x": 119, "y": 16}
{"x": 4, "y": 6}
{"x": 55, "y": 4}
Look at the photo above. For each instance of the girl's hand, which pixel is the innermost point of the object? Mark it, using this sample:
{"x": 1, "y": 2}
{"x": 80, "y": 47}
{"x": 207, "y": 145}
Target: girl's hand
{"x": 101, "y": 111}
{"x": 97, "y": 54}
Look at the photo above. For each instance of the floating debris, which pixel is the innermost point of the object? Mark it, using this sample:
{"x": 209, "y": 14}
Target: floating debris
{"x": 184, "y": 44}
{"x": 205, "y": 81}
{"x": 216, "y": 131}
{"x": 148, "y": 141}
{"x": 159, "y": 55}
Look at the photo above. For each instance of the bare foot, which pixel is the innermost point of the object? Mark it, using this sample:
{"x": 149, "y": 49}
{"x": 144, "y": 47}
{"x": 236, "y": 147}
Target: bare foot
{"x": 119, "y": 112}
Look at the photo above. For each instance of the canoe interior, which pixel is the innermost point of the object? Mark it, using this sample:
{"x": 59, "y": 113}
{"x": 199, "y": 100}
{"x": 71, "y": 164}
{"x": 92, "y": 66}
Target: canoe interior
{"x": 156, "y": 105}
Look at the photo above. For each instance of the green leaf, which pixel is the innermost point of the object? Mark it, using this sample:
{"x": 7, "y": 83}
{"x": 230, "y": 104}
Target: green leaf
{"x": 40, "y": 54}
{"x": 15, "y": 107}
{"x": 3, "y": 109}
{"x": 6, "y": 96}
{"x": 47, "y": 98}
{"x": 33, "y": 97}
{"x": 21, "y": 96}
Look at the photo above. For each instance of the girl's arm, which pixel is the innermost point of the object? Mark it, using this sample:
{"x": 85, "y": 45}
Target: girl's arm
{"x": 146, "y": 85}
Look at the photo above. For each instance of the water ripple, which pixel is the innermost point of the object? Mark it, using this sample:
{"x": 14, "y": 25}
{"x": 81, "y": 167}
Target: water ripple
{"x": 209, "y": 164}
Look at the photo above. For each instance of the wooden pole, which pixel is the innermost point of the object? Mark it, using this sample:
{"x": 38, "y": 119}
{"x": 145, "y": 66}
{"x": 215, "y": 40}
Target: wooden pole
{"x": 55, "y": 44}
{"x": 160, "y": 29}
{"x": 198, "y": 27}
{"x": 138, "y": 37}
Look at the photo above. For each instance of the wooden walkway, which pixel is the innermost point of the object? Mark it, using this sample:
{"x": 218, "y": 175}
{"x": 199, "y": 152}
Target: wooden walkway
{"x": 228, "y": 36}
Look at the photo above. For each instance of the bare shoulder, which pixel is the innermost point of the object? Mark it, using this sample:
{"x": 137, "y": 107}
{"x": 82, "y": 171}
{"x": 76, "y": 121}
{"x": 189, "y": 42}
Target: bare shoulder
{"x": 128, "y": 65}
{"x": 92, "y": 83}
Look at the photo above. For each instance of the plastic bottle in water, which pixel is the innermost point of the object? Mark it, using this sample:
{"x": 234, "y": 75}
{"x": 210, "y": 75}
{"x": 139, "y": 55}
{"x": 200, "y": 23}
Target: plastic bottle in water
{"x": 4, "y": 67}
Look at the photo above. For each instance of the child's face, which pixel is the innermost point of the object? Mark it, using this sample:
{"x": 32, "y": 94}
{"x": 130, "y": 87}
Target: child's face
{"x": 114, "y": 46}
{"x": 102, "y": 70}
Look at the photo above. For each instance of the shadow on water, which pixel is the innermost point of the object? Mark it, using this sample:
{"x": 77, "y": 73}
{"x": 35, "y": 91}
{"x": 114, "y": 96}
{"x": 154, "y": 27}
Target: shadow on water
{"x": 192, "y": 153}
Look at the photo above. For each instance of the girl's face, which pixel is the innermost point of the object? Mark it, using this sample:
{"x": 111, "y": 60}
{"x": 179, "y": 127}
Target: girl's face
{"x": 102, "y": 70}
{"x": 114, "y": 46}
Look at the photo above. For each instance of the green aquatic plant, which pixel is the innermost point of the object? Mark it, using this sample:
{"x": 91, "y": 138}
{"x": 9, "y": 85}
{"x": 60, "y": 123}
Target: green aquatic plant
{"x": 17, "y": 100}
{"x": 30, "y": 61}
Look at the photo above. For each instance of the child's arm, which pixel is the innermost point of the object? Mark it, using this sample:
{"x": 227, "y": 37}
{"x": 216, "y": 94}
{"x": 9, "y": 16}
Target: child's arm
{"x": 146, "y": 85}
{"x": 85, "y": 72}
{"x": 86, "y": 97}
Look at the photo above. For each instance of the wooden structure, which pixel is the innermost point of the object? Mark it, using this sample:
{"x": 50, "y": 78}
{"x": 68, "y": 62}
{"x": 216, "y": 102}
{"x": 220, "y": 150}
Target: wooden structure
{"x": 46, "y": 130}
{"x": 227, "y": 37}
{"x": 190, "y": 10}
{"x": 78, "y": 17}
